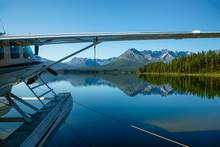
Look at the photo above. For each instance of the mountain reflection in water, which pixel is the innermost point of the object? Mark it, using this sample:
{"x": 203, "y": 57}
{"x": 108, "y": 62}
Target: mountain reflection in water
{"x": 132, "y": 85}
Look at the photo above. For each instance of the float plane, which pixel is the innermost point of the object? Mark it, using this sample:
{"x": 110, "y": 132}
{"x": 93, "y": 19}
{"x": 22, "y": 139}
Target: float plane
{"x": 18, "y": 63}
{"x": 18, "y": 60}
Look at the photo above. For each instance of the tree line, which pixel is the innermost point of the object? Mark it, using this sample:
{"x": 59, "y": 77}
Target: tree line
{"x": 202, "y": 62}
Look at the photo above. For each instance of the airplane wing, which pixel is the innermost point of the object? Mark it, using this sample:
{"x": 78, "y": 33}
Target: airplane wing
{"x": 39, "y": 40}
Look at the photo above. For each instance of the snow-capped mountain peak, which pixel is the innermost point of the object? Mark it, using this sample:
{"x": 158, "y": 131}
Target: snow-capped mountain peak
{"x": 132, "y": 58}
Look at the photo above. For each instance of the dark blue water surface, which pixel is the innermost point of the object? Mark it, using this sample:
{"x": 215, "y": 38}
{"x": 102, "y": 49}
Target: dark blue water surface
{"x": 126, "y": 110}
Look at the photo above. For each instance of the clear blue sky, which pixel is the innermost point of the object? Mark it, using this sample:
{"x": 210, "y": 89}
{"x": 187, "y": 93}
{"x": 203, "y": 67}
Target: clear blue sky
{"x": 60, "y": 16}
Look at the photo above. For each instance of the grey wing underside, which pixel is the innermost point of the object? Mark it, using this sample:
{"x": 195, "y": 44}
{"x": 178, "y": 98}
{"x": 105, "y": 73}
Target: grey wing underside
{"x": 100, "y": 37}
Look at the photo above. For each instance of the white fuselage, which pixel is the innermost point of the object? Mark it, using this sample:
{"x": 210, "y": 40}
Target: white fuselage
{"x": 17, "y": 63}
{"x": 14, "y": 56}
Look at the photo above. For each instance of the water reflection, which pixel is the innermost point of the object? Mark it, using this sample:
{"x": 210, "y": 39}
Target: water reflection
{"x": 133, "y": 85}
{"x": 162, "y": 105}
{"x": 199, "y": 86}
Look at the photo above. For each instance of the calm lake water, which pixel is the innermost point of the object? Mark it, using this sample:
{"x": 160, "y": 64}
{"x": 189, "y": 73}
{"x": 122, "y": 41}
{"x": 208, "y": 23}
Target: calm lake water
{"x": 126, "y": 110}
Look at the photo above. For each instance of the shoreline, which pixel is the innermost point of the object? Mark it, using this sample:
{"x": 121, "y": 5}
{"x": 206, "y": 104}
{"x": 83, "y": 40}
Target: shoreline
{"x": 182, "y": 74}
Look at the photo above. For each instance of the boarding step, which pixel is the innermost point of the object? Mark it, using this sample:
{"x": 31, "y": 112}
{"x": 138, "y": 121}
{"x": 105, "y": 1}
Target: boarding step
{"x": 38, "y": 91}
{"x": 45, "y": 93}
{"x": 37, "y": 86}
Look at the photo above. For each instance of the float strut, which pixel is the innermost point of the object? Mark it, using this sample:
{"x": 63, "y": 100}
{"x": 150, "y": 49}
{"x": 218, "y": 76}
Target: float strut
{"x": 20, "y": 111}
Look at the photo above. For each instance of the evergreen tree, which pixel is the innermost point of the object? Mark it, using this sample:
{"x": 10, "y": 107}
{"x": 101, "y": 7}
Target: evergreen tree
{"x": 202, "y": 62}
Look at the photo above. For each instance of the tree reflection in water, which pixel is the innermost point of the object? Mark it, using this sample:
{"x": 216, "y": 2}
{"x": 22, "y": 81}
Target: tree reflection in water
{"x": 199, "y": 86}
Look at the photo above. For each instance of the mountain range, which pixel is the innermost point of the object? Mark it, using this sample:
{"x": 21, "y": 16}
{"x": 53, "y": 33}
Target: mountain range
{"x": 131, "y": 59}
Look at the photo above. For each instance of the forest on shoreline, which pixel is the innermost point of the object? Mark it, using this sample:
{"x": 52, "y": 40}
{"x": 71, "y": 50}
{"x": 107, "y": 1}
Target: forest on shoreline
{"x": 202, "y": 63}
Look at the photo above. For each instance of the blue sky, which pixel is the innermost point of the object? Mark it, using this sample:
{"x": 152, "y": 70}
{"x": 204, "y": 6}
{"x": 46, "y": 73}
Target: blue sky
{"x": 60, "y": 16}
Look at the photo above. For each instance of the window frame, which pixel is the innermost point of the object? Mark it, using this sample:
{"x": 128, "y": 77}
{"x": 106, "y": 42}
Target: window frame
{"x": 16, "y": 53}
{"x": 2, "y": 54}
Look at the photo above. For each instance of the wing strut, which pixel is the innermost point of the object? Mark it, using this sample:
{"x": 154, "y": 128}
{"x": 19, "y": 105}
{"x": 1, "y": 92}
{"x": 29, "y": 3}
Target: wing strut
{"x": 53, "y": 72}
{"x": 95, "y": 41}
{"x": 95, "y": 57}
{"x": 75, "y": 53}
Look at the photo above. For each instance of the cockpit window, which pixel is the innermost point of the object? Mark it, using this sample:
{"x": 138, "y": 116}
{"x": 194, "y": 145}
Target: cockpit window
{"x": 1, "y": 52}
{"x": 27, "y": 52}
{"x": 14, "y": 51}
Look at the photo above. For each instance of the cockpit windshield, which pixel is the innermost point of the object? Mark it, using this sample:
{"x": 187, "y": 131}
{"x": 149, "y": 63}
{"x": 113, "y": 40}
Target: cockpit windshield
{"x": 27, "y": 52}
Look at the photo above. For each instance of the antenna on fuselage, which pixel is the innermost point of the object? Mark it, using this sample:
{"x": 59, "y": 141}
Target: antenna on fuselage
{"x": 3, "y": 28}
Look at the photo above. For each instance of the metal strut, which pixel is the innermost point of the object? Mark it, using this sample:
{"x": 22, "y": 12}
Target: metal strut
{"x": 11, "y": 97}
{"x": 95, "y": 56}
{"x": 96, "y": 42}
{"x": 75, "y": 53}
